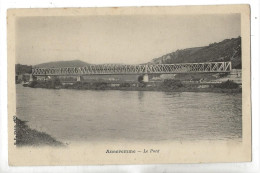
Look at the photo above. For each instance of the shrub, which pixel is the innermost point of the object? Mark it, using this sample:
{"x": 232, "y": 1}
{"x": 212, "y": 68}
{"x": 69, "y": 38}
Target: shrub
{"x": 140, "y": 79}
{"x": 100, "y": 85}
{"x": 223, "y": 74}
{"x": 125, "y": 85}
{"x": 54, "y": 82}
{"x": 228, "y": 85}
{"x": 171, "y": 83}
{"x": 32, "y": 84}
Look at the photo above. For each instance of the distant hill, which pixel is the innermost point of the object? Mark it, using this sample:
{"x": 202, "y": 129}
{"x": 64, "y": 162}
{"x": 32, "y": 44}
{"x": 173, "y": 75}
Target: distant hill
{"x": 226, "y": 50}
{"x": 74, "y": 63}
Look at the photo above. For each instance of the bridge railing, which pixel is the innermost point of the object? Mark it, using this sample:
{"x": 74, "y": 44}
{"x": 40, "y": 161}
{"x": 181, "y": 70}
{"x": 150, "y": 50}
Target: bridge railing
{"x": 207, "y": 67}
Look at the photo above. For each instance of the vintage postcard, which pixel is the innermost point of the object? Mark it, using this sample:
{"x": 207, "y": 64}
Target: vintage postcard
{"x": 129, "y": 85}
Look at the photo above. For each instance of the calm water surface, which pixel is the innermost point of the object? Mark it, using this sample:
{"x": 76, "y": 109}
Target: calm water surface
{"x": 85, "y": 115}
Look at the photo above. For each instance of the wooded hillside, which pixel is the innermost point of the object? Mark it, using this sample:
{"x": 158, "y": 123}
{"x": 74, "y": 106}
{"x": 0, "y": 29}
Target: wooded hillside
{"x": 226, "y": 50}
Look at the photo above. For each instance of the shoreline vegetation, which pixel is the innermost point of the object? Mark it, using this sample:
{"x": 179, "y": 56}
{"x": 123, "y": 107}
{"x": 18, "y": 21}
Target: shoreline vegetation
{"x": 25, "y": 136}
{"x": 168, "y": 85}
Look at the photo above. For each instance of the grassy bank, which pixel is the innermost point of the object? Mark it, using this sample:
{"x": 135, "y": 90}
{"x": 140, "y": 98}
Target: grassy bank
{"x": 166, "y": 85}
{"x": 29, "y": 137}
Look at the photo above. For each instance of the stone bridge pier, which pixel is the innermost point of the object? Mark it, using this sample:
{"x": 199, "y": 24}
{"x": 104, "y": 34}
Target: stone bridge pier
{"x": 146, "y": 78}
{"x": 79, "y": 78}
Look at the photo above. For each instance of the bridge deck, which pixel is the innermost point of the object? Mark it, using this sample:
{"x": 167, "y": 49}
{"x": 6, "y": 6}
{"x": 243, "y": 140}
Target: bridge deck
{"x": 114, "y": 69}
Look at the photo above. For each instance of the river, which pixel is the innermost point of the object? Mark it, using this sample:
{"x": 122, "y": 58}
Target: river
{"x": 88, "y": 115}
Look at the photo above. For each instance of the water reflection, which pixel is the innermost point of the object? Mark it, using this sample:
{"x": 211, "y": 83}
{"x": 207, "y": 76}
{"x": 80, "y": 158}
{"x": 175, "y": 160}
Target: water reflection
{"x": 140, "y": 96}
{"x": 80, "y": 115}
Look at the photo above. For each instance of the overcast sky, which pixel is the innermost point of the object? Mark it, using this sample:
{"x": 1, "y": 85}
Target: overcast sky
{"x": 117, "y": 39}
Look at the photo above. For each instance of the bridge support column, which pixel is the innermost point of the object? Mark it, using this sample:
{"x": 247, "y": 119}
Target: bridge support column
{"x": 146, "y": 78}
{"x": 79, "y": 78}
{"x": 32, "y": 78}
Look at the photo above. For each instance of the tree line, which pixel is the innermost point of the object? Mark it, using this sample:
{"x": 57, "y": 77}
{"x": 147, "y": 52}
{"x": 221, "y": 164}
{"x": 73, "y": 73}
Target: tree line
{"x": 22, "y": 69}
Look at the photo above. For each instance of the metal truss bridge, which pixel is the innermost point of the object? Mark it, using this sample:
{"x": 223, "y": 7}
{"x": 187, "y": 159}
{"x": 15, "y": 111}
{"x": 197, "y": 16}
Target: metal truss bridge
{"x": 114, "y": 69}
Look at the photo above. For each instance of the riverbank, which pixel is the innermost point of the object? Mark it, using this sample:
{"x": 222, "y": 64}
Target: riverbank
{"x": 25, "y": 136}
{"x": 166, "y": 86}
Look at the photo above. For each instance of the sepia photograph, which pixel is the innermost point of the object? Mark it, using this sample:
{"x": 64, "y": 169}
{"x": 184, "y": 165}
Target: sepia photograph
{"x": 129, "y": 82}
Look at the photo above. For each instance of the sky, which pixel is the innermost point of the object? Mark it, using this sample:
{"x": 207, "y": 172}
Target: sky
{"x": 117, "y": 39}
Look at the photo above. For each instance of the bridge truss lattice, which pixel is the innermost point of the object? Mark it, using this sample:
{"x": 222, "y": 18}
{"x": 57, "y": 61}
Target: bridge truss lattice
{"x": 117, "y": 69}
